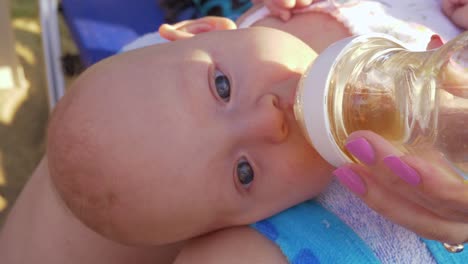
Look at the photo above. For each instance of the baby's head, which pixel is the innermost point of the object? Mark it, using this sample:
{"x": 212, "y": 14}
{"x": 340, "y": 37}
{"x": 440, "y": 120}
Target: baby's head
{"x": 168, "y": 142}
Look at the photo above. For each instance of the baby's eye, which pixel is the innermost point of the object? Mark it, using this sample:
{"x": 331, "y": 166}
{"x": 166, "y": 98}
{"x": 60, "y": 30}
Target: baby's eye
{"x": 222, "y": 85}
{"x": 245, "y": 173}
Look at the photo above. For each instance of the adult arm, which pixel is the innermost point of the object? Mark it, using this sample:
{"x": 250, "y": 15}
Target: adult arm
{"x": 40, "y": 228}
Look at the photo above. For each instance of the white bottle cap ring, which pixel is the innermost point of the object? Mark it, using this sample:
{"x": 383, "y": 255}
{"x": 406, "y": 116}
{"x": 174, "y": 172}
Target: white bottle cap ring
{"x": 316, "y": 88}
{"x": 315, "y": 104}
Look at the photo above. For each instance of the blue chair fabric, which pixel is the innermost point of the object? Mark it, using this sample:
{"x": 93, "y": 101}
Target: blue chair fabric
{"x": 100, "y": 28}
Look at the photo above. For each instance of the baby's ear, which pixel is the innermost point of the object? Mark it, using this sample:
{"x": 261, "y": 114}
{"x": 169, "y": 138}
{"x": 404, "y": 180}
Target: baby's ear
{"x": 190, "y": 28}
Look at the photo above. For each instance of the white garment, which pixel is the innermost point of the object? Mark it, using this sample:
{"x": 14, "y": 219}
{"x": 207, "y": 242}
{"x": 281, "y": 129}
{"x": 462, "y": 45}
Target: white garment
{"x": 144, "y": 41}
{"x": 392, "y": 19}
{"x": 390, "y": 13}
{"x": 412, "y": 22}
{"x": 391, "y": 243}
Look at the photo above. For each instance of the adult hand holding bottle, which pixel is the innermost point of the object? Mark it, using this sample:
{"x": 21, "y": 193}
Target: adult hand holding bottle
{"x": 423, "y": 193}
{"x": 429, "y": 198}
{"x": 410, "y": 169}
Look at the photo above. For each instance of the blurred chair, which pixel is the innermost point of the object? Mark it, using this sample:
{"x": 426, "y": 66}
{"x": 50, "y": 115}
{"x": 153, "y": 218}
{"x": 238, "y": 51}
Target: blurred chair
{"x": 100, "y": 28}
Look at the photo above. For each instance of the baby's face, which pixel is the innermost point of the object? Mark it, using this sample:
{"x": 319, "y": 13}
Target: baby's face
{"x": 168, "y": 142}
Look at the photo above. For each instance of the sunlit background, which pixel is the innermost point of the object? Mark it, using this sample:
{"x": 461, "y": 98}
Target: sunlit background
{"x": 23, "y": 102}
{"x": 24, "y": 106}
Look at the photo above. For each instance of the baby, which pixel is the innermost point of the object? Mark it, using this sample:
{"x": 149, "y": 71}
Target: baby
{"x": 389, "y": 243}
{"x": 159, "y": 145}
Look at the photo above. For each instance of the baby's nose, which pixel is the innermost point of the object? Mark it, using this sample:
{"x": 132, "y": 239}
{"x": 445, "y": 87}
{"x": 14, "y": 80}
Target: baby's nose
{"x": 268, "y": 120}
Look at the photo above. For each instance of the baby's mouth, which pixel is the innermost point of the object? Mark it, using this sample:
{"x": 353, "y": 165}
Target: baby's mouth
{"x": 287, "y": 93}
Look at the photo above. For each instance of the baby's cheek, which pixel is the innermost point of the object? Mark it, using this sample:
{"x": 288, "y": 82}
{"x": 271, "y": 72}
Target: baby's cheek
{"x": 315, "y": 171}
{"x": 307, "y": 172}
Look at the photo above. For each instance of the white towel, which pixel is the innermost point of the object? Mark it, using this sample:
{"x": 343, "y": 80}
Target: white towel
{"x": 389, "y": 242}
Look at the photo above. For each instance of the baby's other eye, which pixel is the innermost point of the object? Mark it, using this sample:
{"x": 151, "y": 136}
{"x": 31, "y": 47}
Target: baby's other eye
{"x": 245, "y": 173}
{"x": 222, "y": 86}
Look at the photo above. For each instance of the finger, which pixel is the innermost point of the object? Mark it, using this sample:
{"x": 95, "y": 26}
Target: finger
{"x": 439, "y": 194}
{"x": 282, "y": 13}
{"x": 442, "y": 186}
{"x": 284, "y": 4}
{"x": 448, "y": 7}
{"x": 436, "y": 188}
{"x": 370, "y": 148}
{"x": 303, "y": 3}
{"x": 459, "y": 16}
{"x": 285, "y": 15}
{"x": 399, "y": 209}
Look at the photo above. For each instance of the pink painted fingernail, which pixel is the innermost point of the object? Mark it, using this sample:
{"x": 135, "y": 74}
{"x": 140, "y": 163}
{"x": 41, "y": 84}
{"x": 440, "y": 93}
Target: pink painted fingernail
{"x": 362, "y": 150}
{"x": 436, "y": 37}
{"x": 397, "y": 166}
{"x": 350, "y": 179}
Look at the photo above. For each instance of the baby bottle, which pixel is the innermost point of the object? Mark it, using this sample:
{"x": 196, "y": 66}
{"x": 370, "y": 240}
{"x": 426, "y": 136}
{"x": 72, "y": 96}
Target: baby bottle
{"x": 418, "y": 100}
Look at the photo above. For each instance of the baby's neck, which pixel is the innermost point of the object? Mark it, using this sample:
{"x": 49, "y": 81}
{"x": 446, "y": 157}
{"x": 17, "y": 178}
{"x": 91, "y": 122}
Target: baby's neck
{"x": 41, "y": 228}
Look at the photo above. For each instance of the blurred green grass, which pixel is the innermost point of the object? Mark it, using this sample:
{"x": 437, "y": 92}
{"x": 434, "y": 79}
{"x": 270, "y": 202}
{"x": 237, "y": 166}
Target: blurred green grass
{"x": 22, "y": 135}
{"x": 22, "y": 139}
{"x": 24, "y": 8}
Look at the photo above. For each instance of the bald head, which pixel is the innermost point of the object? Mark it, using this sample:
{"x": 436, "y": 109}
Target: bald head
{"x": 101, "y": 142}
{"x": 120, "y": 142}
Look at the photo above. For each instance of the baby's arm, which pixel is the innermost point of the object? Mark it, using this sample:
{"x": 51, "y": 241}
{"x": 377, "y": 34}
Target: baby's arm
{"x": 322, "y": 24}
{"x": 457, "y": 11}
{"x": 233, "y": 245}
{"x": 40, "y": 229}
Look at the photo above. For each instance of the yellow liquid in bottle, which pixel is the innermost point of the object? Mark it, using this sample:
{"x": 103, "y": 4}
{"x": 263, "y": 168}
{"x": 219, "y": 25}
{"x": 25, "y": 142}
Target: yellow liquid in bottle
{"x": 379, "y": 86}
{"x": 364, "y": 109}
{"x": 452, "y": 136}
{"x": 364, "y": 95}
